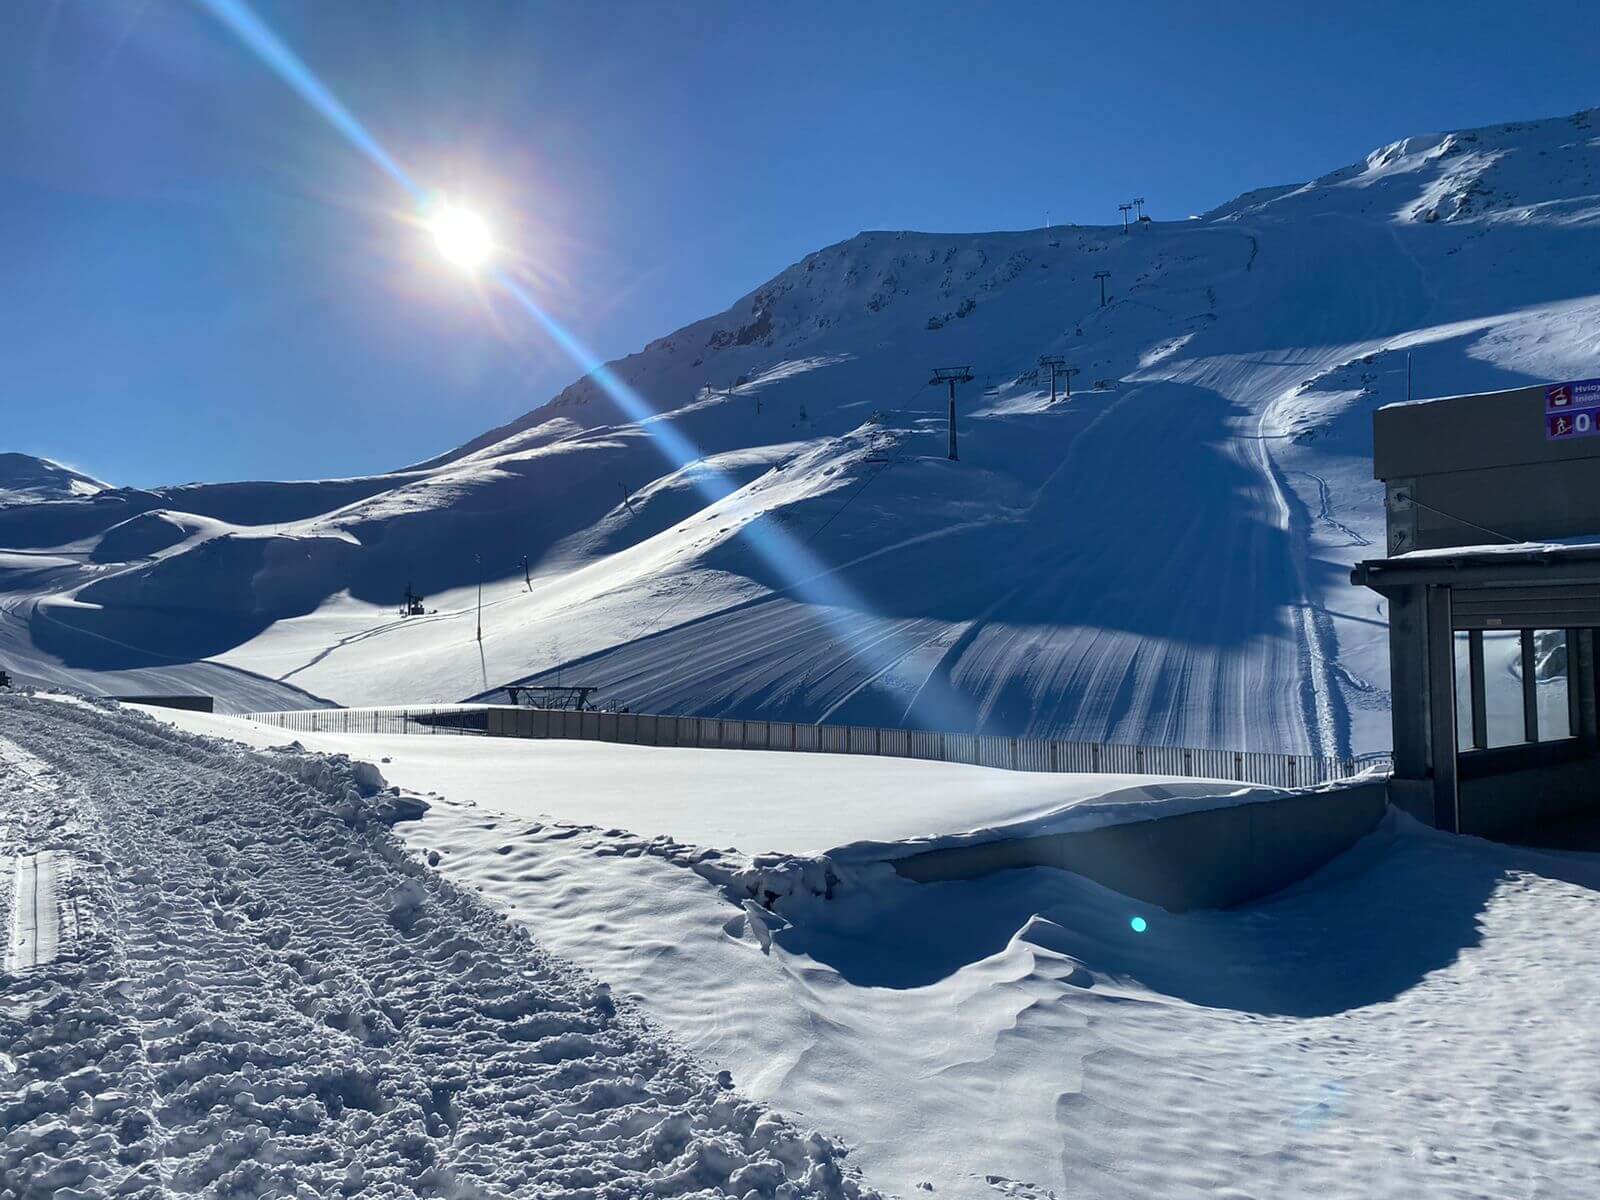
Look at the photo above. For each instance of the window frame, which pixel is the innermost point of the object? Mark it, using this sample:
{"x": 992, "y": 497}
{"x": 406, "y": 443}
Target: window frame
{"x": 1477, "y": 698}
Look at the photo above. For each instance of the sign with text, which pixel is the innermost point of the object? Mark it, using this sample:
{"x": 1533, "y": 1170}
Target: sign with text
{"x": 1572, "y": 410}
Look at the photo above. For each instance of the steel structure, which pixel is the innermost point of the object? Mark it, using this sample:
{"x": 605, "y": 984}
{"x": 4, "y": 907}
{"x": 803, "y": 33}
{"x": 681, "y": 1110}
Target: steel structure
{"x": 951, "y": 376}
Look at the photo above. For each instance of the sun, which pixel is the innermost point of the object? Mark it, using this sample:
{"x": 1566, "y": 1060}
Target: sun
{"x": 461, "y": 235}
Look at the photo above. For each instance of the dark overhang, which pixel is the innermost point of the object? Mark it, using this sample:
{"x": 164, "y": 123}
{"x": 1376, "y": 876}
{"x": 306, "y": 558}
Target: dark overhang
{"x": 1483, "y": 566}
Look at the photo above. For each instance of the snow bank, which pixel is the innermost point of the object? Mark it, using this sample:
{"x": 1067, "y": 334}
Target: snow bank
{"x": 756, "y": 802}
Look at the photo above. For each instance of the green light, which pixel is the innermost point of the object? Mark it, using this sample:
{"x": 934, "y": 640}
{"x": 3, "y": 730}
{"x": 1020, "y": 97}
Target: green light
{"x": 1139, "y": 924}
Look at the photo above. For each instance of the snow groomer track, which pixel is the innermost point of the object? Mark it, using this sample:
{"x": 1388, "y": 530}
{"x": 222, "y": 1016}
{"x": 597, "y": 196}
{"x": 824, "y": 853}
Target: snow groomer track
{"x": 251, "y": 989}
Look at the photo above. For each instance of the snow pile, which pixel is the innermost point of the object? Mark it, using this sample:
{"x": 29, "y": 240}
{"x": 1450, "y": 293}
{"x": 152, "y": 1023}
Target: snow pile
{"x": 754, "y": 801}
{"x": 266, "y": 994}
{"x": 1018, "y": 1032}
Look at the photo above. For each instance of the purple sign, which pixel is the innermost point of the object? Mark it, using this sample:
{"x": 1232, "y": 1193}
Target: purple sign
{"x": 1572, "y": 410}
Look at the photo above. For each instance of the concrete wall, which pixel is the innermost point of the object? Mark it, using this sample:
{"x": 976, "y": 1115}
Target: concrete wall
{"x": 193, "y": 703}
{"x": 1531, "y": 795}
{"x": 1485, "y": 459}
{"x": 1213, "y": 859}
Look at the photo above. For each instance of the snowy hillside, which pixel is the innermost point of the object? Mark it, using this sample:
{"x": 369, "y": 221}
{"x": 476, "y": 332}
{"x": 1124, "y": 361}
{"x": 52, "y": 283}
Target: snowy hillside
{"x": 1161, "y": 558}
{"x": 25, "y": 479}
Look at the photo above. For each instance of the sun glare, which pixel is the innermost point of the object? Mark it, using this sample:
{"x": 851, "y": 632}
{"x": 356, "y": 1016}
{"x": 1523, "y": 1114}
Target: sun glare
{"x": 461, "y": 235}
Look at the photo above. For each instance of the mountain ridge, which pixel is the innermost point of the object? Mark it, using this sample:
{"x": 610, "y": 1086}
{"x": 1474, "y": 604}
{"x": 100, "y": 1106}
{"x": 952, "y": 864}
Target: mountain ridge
{"x": 765, "y": 524}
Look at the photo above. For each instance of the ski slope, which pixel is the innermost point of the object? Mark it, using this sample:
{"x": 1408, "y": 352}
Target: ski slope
{"x": 1162, "y": 558}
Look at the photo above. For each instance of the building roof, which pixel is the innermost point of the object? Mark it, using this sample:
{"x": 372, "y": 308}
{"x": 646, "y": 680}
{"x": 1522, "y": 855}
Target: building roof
{"x": 1573, "y": 560}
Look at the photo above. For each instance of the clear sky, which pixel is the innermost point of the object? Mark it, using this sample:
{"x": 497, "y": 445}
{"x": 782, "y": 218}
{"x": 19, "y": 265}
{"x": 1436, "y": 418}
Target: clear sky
{"x": 200, "y": 279}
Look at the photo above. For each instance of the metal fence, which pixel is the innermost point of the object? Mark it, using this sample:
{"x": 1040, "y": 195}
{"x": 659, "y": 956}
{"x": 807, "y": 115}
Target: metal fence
{"x": 986, "y": 750}
{"x": 455, "y": 719}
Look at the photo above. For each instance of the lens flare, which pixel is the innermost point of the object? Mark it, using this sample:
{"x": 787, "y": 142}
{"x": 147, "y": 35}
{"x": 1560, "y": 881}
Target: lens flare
{"x": 1139, "y": 924}
{"x": 271, "y": 49}
{"x": 464, "y": 238}
{"x": 461, "y": 235}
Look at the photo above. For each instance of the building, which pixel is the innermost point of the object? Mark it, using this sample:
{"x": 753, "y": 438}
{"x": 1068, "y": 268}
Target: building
{"x": 1492, "y": 576}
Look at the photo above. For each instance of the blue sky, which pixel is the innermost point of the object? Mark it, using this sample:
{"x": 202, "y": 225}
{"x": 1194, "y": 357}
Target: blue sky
{"x": 202, "y": 280}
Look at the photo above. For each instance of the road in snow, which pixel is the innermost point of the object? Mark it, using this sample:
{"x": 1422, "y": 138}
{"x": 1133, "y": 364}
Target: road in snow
{"x": 270, "y": 997}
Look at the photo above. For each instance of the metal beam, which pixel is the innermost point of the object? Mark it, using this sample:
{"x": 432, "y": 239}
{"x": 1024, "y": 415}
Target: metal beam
{"x": 1530, "y": 689}
{"x": 1442, "y": 698}
{"x": 1408, "y": 677}
{"x": 1480, "y": 714}
{"x": 1581, "y": 683}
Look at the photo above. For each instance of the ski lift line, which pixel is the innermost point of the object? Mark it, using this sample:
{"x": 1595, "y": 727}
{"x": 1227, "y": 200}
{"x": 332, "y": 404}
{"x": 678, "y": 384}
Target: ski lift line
{"x": 816, "y": 533}
{"x": 865, "y": 483}
{"x": 1462, "y": 520}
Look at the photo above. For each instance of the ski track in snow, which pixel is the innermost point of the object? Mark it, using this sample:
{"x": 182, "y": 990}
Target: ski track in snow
{"x": 269, "y": 996}
{"x": 1136, "y": 564}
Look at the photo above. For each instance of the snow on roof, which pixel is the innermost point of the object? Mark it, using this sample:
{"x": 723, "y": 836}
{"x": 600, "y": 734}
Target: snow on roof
{"x": 1561, "y": 547}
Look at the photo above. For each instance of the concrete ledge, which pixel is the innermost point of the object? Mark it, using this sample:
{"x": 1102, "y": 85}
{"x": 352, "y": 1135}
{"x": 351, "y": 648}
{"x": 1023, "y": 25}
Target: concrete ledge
{"x": 1532, "y": 795}
{"x": 1211, "y": 859}
{"x": 191, "y": 703}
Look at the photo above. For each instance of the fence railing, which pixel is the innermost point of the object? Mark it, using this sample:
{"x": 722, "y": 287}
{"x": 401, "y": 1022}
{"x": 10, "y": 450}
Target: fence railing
{"x": 454, "y": 719}
{"x": 984, "y": 750}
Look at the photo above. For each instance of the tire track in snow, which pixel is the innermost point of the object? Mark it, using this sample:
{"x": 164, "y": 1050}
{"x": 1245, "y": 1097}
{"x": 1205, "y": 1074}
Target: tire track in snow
{"x": 282, "y": 1001}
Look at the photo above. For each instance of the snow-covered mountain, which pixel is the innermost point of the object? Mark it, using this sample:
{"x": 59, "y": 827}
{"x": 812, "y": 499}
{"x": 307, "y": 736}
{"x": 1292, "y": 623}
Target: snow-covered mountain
{"x": 1163, "y": 557}
{"x": 25, "y": 479}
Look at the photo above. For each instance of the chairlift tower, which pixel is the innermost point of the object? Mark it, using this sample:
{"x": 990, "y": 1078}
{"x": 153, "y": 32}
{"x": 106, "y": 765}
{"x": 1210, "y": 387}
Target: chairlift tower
{"x": 1138, "y": 204}
{"x": 951, "y": 376}
{"x": 1054, "y": 363}
{"x": 1124, "y": 209}
{"x": 1102, "y": 276}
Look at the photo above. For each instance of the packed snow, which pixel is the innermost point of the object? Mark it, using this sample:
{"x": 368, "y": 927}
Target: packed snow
{"x": 1161, "y": 558}
{"x": 1413, "y": 1021}
{"x": 226, "y": 976}
{"x": 752, "y": 801}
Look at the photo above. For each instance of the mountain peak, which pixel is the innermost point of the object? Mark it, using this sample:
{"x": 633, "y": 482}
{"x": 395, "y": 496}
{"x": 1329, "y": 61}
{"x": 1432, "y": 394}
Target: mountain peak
{"x": 26, "y": 479}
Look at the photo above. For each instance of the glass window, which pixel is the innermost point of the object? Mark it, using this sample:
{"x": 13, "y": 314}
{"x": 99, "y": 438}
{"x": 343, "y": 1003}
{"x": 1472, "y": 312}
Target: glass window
{"x": 1550, "y": 682}
{"x": 1463, "y": 693}
{"x": 1502, "y": 686}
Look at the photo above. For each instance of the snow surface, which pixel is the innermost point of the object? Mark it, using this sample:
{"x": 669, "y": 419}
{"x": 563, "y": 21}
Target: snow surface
{"x": 25, "y": 479}
{"x": 752, "y": 801}
{"x": 1416, "y": 1020}
{"x": 1162, "y": 559}
{"x": 260, "y": 993}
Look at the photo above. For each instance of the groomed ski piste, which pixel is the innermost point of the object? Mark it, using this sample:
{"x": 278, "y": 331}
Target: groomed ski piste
{"x": 281, "y": 954}
{"x": 766, "y": 526}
